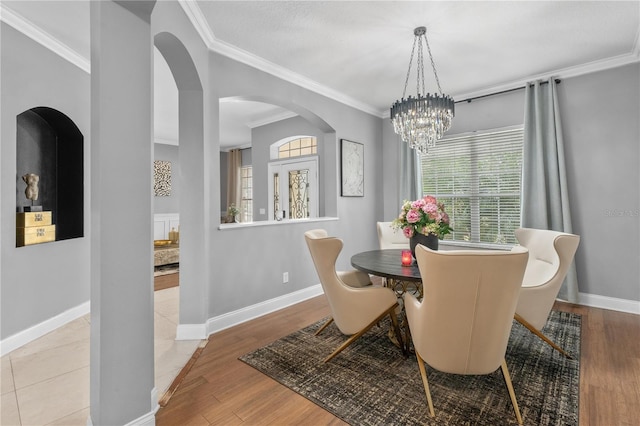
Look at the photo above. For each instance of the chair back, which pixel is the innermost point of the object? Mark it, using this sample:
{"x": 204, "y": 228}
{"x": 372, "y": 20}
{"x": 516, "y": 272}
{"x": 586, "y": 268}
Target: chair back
{"x": 550, "y": 255}
{"x": 351, "y": 308}
{"x": 391, "y": 238}
{"x": 463, "y": 324}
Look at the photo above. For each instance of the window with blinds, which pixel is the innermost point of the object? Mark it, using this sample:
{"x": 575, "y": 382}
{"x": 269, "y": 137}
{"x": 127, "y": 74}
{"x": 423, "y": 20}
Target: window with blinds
{"x": 478, "y": 177}
{"x": 246, "y": 190}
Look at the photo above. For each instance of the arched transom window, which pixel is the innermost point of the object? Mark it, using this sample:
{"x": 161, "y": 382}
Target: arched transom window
{"x": 298, "y": 147}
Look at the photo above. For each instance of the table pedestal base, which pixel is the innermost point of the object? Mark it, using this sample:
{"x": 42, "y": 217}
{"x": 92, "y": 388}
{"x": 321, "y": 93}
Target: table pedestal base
{"x": 400, "y": 288}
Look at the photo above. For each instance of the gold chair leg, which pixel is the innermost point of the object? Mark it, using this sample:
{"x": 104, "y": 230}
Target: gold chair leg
{"x": 329, "y": 321}
{"x": 540, "y": 335}
{"x": 353, "y": 338}
{"x": 512, "y": 394}
{"x": 425, "y": 383}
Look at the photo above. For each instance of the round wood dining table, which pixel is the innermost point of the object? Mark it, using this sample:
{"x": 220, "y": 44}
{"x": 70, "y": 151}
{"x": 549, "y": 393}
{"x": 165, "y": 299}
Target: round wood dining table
{"x": 387, "y": 264}
{"x": 401, "y": 279}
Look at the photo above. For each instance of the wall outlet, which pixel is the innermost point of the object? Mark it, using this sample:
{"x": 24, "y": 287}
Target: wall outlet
{"x": 285, "y": 277}
{"x": 263, "y": 211}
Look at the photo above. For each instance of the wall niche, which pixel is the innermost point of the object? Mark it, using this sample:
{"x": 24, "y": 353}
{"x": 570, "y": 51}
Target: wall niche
{"x": 50, "y": 145}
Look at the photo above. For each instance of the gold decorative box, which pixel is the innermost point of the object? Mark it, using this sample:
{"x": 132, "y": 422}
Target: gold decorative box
{"x": 35, "y": 235}
{"x": 25, "y": 220}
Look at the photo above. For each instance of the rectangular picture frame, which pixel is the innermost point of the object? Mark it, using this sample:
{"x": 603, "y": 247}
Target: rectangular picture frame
{"x": 351, "y": 168}
{"x": 162, "y": 178}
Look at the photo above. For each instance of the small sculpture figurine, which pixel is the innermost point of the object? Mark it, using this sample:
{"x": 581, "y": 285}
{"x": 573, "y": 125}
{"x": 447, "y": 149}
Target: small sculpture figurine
{"x": 31, "y": 179}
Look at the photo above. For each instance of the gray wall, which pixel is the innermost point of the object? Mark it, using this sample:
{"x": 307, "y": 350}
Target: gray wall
{"x": 170, "y": 204}
{"x": 41, "y": 281}
{"x": 268, "y": 251}
{"x": 599, "y": 115}
{"x": 600, "y": 119}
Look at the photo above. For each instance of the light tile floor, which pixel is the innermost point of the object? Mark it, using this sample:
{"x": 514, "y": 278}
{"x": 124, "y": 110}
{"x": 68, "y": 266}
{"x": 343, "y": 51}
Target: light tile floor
{"x": 46, "y": 382}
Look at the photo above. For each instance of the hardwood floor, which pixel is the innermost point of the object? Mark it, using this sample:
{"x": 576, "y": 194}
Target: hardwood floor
{"x": 221, "y": 390}
{"x": 166, "y": 281}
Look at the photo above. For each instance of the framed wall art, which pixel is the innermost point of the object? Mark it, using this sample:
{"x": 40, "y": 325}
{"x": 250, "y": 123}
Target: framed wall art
{"x": 162, "y": 178}
{"x": 352, "y": 168}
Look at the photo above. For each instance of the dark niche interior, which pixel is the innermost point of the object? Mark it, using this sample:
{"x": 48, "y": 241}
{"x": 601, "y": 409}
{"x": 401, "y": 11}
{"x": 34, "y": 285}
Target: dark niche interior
{"x": 50, "y": 145}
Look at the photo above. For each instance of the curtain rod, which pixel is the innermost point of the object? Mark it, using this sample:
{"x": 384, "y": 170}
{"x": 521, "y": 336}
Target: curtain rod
{"x": 468, "y": 100}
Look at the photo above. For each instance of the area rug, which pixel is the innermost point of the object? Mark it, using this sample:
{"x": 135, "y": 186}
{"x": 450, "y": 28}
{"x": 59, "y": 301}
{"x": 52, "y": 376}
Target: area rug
{"x": 371, "y": 383}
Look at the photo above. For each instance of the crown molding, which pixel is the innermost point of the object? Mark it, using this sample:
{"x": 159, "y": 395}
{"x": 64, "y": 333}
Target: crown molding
{"x": 574, "y": 71}
{"x": 199, "y": 22}
{"x": 195, "y": 15}
{"x": 40, "y": 36}
{"x": 165, "y": 141}
{"x": 271, "y": 119}
{"x": 246, "y": 145}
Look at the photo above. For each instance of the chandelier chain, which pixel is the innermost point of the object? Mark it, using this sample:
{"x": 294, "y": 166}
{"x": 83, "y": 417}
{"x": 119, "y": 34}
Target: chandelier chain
{"x": 406, "y": 80}
{"x": 433, "y": 65}
{"x": 420, "y": 72}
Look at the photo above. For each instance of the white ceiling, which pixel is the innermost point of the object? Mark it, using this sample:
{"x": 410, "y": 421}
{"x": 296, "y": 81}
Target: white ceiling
{"x": 358, "y": 52}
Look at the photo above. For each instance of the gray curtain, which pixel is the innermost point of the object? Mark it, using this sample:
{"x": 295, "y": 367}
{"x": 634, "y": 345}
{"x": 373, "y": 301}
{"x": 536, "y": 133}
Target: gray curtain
{"x": 410, "y": 180}
{"x": 545, "y": 198}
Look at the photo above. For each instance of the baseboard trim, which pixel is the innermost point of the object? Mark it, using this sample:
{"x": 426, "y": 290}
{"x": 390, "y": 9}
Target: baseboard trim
{"x": 612, "y": 303}
{"x": 224, "y": 321}
{"x": 154, "y": 400}
{"x": 21, "y": 338}
{"x": 148, "y": 419}
{"x": 239, "y": 316}
{"x": 191, "y": 332}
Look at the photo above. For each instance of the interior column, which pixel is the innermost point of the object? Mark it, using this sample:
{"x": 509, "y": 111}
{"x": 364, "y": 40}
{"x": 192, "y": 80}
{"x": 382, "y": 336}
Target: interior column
{"x": 122, "y": 360}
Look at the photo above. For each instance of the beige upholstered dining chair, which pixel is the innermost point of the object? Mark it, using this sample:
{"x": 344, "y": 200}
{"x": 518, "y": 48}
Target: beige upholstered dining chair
{"x": 353, "y": 309}
{"x": 352, "y": 277}
{"x": 550, "y": 255}
{"x": 391, "y": 238}
{"x": 463, "y": 323}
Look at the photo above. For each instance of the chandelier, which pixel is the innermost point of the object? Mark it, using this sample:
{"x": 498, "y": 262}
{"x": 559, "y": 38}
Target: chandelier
{"x": 422, "y": 120}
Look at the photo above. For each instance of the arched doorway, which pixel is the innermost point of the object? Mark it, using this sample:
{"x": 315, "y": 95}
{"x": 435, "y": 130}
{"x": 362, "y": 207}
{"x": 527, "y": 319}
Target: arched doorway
{"x": 193, "y": 266}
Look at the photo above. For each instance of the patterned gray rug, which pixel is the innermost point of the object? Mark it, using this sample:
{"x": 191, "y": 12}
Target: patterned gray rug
{"x": 370, "y": 383}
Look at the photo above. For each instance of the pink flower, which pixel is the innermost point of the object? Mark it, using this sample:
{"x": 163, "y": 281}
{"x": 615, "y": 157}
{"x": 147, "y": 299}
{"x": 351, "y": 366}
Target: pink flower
{"x": 408, "y": 232}
{"x": 417, "y": 204}
{"x": 413, "y": 216}
{"x": 431, "y": 209}
{"x": 445, "y": 218}
{"x": 429, "y": 199}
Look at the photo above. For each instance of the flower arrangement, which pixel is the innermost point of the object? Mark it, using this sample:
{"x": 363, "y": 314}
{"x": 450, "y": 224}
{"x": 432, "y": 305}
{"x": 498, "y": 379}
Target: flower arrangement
{"x": 232, "y": 210}
{"x": 425, "y": 216}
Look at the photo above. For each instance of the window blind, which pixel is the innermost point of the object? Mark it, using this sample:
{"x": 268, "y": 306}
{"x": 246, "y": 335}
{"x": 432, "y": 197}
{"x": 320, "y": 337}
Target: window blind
{"x": 478, "y": 177}
{"x": 246, "y": 189}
